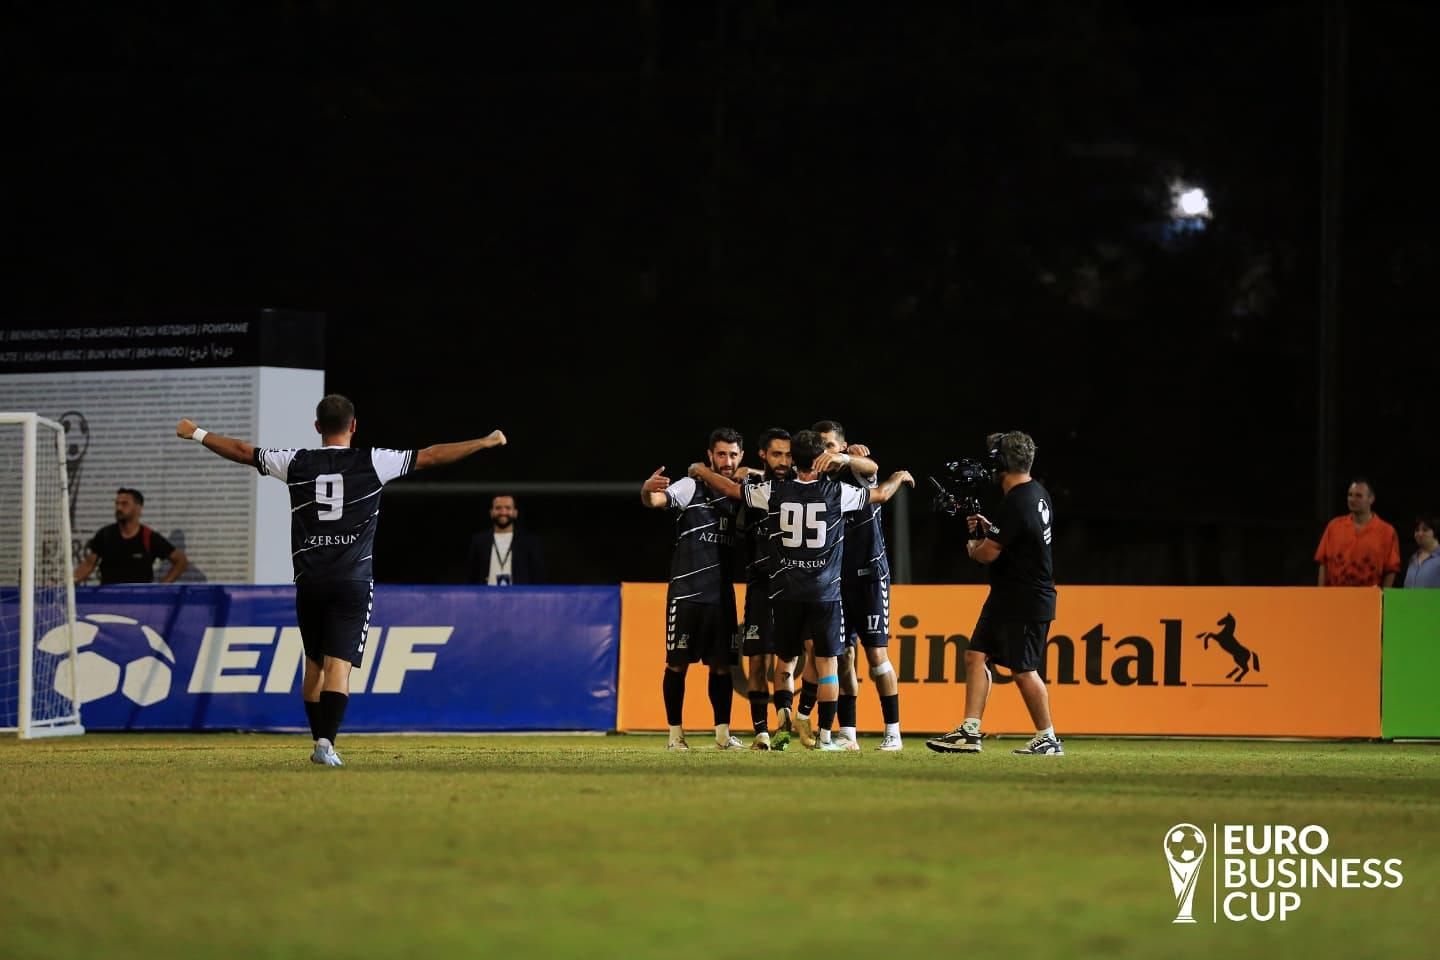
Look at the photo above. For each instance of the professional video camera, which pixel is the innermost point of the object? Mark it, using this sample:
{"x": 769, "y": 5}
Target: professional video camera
{"x": 957, "y": 494}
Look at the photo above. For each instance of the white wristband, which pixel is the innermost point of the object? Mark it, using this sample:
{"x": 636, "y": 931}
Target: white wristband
{"x": 199, "y": 435}
{"x": 846, "y": 461}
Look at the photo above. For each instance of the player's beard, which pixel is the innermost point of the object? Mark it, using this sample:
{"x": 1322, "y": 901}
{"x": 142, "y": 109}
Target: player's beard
{"x": 504, "y": 523}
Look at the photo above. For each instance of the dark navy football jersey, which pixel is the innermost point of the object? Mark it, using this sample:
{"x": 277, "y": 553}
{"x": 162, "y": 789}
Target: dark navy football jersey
{"x": 864, "y": 536}
{"x": 702, "y": 567}
{"x": 760, "y": 553}
{"x": 334, "y": 505}
{"x": 807, "y": 519}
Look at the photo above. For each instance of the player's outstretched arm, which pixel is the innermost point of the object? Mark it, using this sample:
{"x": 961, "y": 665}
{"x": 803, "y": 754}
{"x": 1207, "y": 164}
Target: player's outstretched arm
{"x": 441, "y": 454}
{"x": 652, "y": 491}
{"x": 885, "y": 490}
{"x": 721, "y": 485}
{"x": 228, "y": 447}
{"x": 833, "y": 463}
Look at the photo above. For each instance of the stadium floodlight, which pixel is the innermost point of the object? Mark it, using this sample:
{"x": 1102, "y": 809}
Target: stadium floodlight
{"x": 1189, "y": 202}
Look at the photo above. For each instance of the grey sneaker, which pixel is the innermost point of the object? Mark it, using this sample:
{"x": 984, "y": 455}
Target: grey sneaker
{"x": 731, "y": 744}
{"x": 1042, "y": 747}
{"x": 891, "y": 743}
{"x": 956, "y": 741}
{"x": 839, "y": 745}
{"x": 677, "y": 745}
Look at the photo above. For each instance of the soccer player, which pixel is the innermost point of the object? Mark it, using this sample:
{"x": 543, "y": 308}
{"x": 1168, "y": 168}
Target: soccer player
{"x": 807, "y": 513}
{"x": 761, "y": 570}
{"x": 865, "y": 594}
{"x": 700, "y": 601}
{"x": 335, "y": 508}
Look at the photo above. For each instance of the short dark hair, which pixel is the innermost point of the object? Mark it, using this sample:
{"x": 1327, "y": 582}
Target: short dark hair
{"x": 805, "y": 446}
{"x": 774, "y": 433}
{"x": 1430, "y": 518}
{"x": 725, "y": 435}
{"x": 134, "y": 494}
{"x": 333, "y": 414}
{"x": 513, "y": 502}
{"x": 830, "y": 426}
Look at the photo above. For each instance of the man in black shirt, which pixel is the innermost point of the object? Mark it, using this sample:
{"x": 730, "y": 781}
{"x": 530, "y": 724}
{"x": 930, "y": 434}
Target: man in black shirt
{"x": 127, "y": 549}
{"x": 1016, "y": 618}
{"x": 335, "y": 509}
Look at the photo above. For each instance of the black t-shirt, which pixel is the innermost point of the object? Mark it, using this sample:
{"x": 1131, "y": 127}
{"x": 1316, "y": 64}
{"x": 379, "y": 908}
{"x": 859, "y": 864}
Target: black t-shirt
{"x": 128, "y": 560}
{"x": 1022, "y": 578}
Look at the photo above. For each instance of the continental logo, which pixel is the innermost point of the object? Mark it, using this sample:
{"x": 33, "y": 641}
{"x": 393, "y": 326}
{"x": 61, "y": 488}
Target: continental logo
{"x": 1099, "y": 657}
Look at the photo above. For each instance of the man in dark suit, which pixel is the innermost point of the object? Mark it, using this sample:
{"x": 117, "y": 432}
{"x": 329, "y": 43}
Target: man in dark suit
{"x": 501, "y": 556}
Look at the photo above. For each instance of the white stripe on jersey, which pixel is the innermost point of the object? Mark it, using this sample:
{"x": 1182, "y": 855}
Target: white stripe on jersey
{"x": 693, "y": 572}
{"x": 700, "y": 527}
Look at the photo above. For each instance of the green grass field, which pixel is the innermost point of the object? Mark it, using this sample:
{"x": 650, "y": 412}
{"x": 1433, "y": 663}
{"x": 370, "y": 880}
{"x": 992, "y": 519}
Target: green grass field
{"x": 236, "y": 846}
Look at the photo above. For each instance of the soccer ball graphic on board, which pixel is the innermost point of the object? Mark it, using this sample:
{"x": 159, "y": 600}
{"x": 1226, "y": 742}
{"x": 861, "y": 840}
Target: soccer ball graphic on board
{"x": 113, "y": 652}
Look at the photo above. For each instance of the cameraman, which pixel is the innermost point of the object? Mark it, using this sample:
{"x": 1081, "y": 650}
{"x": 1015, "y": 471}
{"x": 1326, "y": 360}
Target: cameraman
{"x": 1015, "y": 620}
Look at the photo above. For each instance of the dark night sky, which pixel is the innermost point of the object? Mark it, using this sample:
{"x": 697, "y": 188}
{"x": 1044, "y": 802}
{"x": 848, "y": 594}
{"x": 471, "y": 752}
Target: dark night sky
{"x": 608, "y": 227}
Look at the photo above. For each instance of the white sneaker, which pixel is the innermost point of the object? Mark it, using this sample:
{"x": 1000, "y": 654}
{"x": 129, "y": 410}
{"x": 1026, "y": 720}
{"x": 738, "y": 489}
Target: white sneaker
{"x": 677, "y": 745}
{"x": 761, "y": 741}
{"x": 838, "y": 745}
{"x": 325, "y": 754}
{"x": 731, "y": 744}
{"x": 891, "y": 743}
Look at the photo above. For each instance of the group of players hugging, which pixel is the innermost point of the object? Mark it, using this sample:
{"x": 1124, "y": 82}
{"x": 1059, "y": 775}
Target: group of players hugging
{"x": 806, "y": 528}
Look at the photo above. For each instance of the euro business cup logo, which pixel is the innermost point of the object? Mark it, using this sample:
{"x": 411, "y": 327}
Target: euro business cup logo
{"x": 1185, "y": 851}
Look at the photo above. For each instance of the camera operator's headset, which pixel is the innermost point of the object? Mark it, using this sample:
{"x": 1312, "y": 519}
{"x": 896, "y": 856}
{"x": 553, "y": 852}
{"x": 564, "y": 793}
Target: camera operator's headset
{"x": 996, "y": 455}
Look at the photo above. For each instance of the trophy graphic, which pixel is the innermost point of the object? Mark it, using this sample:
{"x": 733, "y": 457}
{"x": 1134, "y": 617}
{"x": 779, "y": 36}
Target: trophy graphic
{"x": 1185, "y": 851}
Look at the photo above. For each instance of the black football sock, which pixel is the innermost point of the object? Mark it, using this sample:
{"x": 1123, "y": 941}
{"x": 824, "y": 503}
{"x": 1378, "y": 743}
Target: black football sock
{"x": 312, "y": 713}
{"x": 827, "y": 714}
{"x": 890, "y": 708}
{"x": 721, "y": 690}
{"x": 674, "y": 691}
{"x": 332, "y": 713}
{"x": 784, "y": 700}
{"x": 808, "y": 693}
{"x": 845, "y": 708}
{"x": 760, "y": 711}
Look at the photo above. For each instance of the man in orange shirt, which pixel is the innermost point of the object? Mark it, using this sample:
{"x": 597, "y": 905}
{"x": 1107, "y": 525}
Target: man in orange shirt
{"x": 1358, "y": 550}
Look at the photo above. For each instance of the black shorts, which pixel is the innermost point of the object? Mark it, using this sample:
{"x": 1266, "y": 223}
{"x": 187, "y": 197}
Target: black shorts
{"x": 1016, "y": 644}
{"x": 799, "y": 620}
{"x": 700, "y": 633}
{"x": 334, "y": 618}
{"x": 867, "y": 610}
{"x": 757, "y": 633}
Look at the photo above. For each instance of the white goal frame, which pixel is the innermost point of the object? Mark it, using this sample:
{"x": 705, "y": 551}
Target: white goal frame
{"x": 36, "y": 445}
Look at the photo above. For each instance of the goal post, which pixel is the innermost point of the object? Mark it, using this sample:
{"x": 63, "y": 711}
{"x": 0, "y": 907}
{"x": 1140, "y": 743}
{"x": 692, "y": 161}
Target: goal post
{"x": 38, "y": 675}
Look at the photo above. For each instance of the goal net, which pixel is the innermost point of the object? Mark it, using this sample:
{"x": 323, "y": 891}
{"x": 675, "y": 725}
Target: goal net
{"x": 37, "y": 595}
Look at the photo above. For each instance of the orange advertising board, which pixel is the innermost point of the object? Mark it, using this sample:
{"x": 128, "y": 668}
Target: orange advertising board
{"x": 1281, "y": 662}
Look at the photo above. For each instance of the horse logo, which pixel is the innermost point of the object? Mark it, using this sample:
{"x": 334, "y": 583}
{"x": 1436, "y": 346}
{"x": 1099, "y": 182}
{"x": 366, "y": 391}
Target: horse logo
{"x": 1245, "y": 658}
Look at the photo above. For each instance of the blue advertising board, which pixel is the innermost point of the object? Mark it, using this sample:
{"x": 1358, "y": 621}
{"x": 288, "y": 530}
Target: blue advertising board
{"x": 468, "y": 658}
